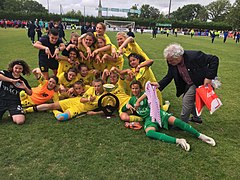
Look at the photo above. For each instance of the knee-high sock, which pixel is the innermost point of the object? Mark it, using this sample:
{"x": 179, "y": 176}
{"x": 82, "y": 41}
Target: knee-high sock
{"x": 62, "y": 117}
{"x": 134, "y": 118}
{"x": 160, "y": 136}
{"x": 56, "y": 112}
{"x": 186, "y": 127}
{"x": 28, "y": 110}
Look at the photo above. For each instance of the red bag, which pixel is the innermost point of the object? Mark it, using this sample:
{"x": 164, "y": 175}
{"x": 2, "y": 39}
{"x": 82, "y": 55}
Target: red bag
{"x": 206, "y": 96}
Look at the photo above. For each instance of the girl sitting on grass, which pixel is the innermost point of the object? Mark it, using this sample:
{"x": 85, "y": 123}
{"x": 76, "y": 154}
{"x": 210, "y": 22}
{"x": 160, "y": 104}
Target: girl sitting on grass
{"x": 11, "y": 83}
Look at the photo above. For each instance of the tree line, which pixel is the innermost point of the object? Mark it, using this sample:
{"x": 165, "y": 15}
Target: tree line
{"x": 222, "y": 14}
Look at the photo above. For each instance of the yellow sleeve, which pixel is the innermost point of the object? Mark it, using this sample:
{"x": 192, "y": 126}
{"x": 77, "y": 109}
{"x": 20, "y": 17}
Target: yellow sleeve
{"x": 42, "y": 81}
{"x": 108, "y": 41}
{"x": 55, "y": 97}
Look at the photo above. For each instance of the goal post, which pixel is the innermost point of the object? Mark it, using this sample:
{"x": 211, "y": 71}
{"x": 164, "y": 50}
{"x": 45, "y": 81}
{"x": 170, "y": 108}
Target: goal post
{"x": 114, "y": 25}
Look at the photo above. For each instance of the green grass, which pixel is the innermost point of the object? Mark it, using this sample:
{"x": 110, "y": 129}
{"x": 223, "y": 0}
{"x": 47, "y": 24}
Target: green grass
{"x": 93, "y": 147}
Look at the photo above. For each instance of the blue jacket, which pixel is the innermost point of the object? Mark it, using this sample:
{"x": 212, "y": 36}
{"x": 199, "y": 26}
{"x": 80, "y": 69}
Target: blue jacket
{"x": 199, "y": 66}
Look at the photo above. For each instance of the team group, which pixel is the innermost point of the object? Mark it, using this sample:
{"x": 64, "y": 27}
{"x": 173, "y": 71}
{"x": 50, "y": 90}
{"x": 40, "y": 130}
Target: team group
{"x": 88, "y": 62}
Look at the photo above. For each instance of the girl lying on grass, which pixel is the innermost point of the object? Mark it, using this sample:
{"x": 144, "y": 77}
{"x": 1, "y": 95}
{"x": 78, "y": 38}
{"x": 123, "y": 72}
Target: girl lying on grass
{"x": 138, "y": 104}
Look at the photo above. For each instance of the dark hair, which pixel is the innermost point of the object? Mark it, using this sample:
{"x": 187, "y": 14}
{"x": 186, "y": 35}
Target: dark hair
{"x": 26, "y": 68}
{"x": 74, "y": 50}
{"x": 70, "y": 70}
{"x": 54, "y": 31}
{"x": 79, "y": 82}
{"x": 98, "y": 80}
{"x": 55, "y": 78}
{"x": 93, "y": 37}
{"x": 137, "y": 56}
{"x": 136, "y": 82}
{"x": 82, "y": 65}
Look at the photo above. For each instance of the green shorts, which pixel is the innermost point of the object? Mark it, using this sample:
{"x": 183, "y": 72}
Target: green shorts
{"x": 164, "y": 119}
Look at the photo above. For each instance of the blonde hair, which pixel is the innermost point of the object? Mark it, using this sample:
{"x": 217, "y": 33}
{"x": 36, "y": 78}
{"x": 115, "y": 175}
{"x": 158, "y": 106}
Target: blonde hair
{"x": 122, "y": 34}
{"x": 103, "y": 25}
{"x": 74, "y": 34}
{"x": 102, "y": 38}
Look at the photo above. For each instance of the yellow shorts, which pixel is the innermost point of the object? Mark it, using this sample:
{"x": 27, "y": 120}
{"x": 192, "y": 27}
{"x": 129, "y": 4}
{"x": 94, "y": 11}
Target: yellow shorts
{"x": 73, "y": 105}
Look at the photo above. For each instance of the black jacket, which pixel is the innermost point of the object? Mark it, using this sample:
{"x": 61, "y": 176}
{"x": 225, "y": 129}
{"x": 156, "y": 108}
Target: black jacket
{"x": 199, "y": 66}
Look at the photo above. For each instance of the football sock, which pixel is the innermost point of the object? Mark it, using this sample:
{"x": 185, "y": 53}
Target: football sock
{"x": 186, "y": 127}
{"x": 29, "y": 110}
{"x": 134, "y": 118}
{"x": 62, "y": 117}
{"x": 160, "y": 136}
{"x": 56, "y": 112}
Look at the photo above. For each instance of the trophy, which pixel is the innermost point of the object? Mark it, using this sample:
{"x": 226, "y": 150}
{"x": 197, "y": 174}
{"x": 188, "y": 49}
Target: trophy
{"x": 108, "y": 102}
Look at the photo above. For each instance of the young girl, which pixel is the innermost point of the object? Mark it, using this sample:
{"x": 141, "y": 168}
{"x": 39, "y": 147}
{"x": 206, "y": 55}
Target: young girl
{"x": 85, "y": 74}
{"x": 72, "y": 107}
{"x": 67, "y": 62}
{"x": 85, "y": 43}
{"x": 66, "y": 80}
{"x": 103, "y": 56}
{"x": 140, "y": 69}
{"x": 118, "y": 90}
{"x": 46, "y": 90}
{"x": 100, "y": 31}
{"x": 139, "y": 105}
{"x": 78, "y": 89}
{"x": 11, "y": 83}
{"x": 127, "y": 45}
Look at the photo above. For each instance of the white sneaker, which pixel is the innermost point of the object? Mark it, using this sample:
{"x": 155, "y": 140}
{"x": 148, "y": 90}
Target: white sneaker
{"x": 207, "y": 139}
{"x": 183, "y": 143}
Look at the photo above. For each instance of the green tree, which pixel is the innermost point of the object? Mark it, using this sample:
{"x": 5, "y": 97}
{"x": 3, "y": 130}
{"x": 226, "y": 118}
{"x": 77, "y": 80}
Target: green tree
{"x": 155, "y": 13}
{"x": 2, "y": 4}
{"x": 73, "y": 13}
{"x": 12, "y": 5}
{"x": 30, "y": 6}
{"x": 234, "y": 15}
{"x": 133, "y": 15}
{"x": 149, "y": 12}
{"x": 145, "y": 11}
{"x": 218, "y": 10}
{"x": 26, "y": 6}
{"x": 190, "y": 12}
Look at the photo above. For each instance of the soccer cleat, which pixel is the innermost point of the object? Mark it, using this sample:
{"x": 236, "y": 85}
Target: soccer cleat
{"x": 133, "y": 125}
{"x": 183, "y": 143}
{"x": 207, "y": 139}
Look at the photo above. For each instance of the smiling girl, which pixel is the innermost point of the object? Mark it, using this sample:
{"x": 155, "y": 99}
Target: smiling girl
{"x": 11, "y": 83}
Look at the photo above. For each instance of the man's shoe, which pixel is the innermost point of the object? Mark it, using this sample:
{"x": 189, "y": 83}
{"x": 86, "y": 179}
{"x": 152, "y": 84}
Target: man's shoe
{"x": 196, "y": 120}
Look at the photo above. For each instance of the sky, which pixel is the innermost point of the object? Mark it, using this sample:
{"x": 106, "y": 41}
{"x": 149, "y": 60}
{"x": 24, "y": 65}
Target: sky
{"x": 88, "y": 7}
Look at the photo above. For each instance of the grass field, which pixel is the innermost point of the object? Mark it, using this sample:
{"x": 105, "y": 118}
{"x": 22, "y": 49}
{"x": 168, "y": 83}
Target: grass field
{"x": 93, "y": 147}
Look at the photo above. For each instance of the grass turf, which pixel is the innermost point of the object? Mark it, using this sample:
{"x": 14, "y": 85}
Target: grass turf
{"x": 93, "y": 147}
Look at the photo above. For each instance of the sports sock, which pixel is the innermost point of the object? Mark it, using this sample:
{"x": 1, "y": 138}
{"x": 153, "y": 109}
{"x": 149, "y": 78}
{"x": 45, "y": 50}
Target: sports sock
{"x": 56, "y": 112}
{"x": 186, "y": 127}
{"x": 160, "y": 136}
{"x": 29, "y": 110}
{"x": 134, "y": 118}
{"x": 62, "y": 117}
